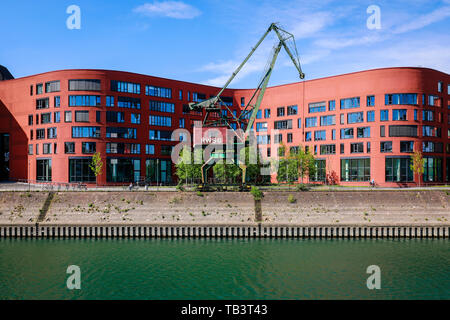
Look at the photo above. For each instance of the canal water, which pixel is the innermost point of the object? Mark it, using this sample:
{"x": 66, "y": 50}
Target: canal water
{"x": 225, "y": 268}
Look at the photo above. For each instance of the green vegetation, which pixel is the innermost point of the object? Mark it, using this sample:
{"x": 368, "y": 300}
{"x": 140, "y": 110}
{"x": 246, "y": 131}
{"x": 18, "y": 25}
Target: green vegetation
{"x": 417, "y": 163}
{"x": 257, "y": 194}
{"x": 291, "y": 199}
{"x": 295, "y": 164}
{"x": 96, "y": 165}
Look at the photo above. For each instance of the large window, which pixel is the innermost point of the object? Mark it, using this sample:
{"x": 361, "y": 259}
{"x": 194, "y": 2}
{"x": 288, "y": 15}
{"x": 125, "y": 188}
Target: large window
{"x": 128, "y": 102}
{"x": 357, "y": 147}
{"x": 88, "y": 147}
{"x": 406, "y": 146}
{"x": 384, "y": 115}
{"x": 347, "y": 133}
{"x": 42, "y": 103}
{"x": 44, "y": 169}
{"x": 399, "y": 115}
{"x": 46, "y": 118}
{"x": 261, "y": 126}
{"x": 355, "y": 117}
{"x": 400, "y": 98}
{"x": 328, "y": 149}
{"x": 402, "y": 131}
{"x": 85, "y": 132}
{"x": 69, "y": 147}
{"x": 431, "y": 131}
{"x": 115, "y": 116}
{"x": 283, "y": 124}
{"x": 136, "y": 118}
{"x": 386, "y": 146}
{"x": 123, "y": 170}
{"x": 398, "y": 170}
{"x": 370, "y": 101}
{"x": 264, "y": 139}
{"x": 84, "y": 85}
{"x": 120, "y": 132}
{"x": 292, "y": 110}
{"x": 320, "y": 135}
{"x": 355, "y": 169}
{"x": 317, "y": 107}
{"x": 427, "y": 115}
{"x": 280, "y": 112}
{"x": 81, "y": 116}
{"x": 320, "y": 172}
{"x": 53, "y": 86}
{"x": 158, "y": 170}
{"x": 129, "y": 87}
{"x": 370, "y": 116}
{"x": 79, "y": 170}
{"x": 161, "y": 135}
{"x": 160, "y": 121}
{"x": 84, "y": 101}
{"x": 363, "y": 132}
{"x": 432, "y": 169}
{"x": 311, "y": 122}
{"x": 350, "y": 103}
{"x": 123, "y": 148}
{"x": 328, "y": 120}
{"x": 158, "y": 92}
{"x": 161, "y": 106}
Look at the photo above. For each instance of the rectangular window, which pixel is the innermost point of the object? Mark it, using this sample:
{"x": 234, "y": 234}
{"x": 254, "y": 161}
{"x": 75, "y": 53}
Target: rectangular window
{"x": 386, "y": 146}
{"x": 328, "y": 149}
{"x": 440, "y": 86}
{"x": 123, "y": 170}
{"x": 261, "y": 126}
{"x": 149, "y": 149}
{"x": 46, "y": 148}
{"x": 280, "y": 111}
{"x": 39, "y": 88}
{"x": 427, "y": 115}
{"x": 363, "y": 132}
{"x": 398, "y": 170}
{"x": 368, "y": 147}
{"x": 292, "y": 110}
{"x": 310, "y": 122}
{"x": 115, "y": 117}
{"x": 278, "y": 138}
{"x": 182, "y": 123}
{"x": 158, "y": 92}
{"x": 347, "y": 133}
{"x": 263, "y": 139}
{"x": 320, "y": 135}
{"x": 382, "y": 131}
{"x": 44, "y": 170}
{"x": 399, "y": 115}
{"x": 350, "y": 103}
{"x": 128, "y": 102}
{"x": 81, "y": 116}
{"x": 31, "y": 90}
{"x": 57, "y": 101}
{"x": 198, "y": 97}
{"x": 46, "y": 118}
{"x": 85, "y": 132}
{"x": 40, "y": 134}
{"x": 328, "y": 120}
{"x": 406, "y": 146}
{"x": 84, "y": 101}
{"x": 53, "y": 86}
{"x": 30, "y": 120}
{"x": 160, "y": 121}
{"x": 317, "y": 107}
{"x": 121, "y": 133}
{"x": 69, "y": 147}
{"x": 403, "y": 131}
{"x": 84, "y": 85}
{"x": 67, "y": 116}
{"x": 342, "y": 148}
{"x": 30, "y": 149}
{"x": 416, "y": 117}
{"x": 98, "y": 116}
{"x": 384, "y": 115}
{"x": 299, "y": 123}
{"x": 128, "y": 87}
{"x": 434, "y": 101}
{"x": 109, "y": 101}
{"x": 331, "y": 105}
{"x": 370, "y": 101}
{"x": 80, "y": 171}
{"x": 266, "y": 113}
{"x": 355, "y": 169}
{"x": 180, "y": 94}
{"x": 342, "y": 118}
{"x": 283, "y": 124}
{"x": 370, "y": 116}
{"x": 400, "y": 98}
{"x": 432, "y": 169}
{"x": 308, "y": 136}
{"x": 161, "y": 135}
{"x": 166, "y": 150}
{"x": 289, "y": 137}
{"x": 51, "y": 133}
{"x": 158, "y": 170}
{"x": 88, "y": 147}
{"x": 355, "y": 117}
{"x": 161, "y": 106}
{"x": 357, "y": 147}
{"x": 242, "y": 102}
{"x": 333, "y": 134}
{"x": 136, "y": 118}
{"x": 42, "y": 103}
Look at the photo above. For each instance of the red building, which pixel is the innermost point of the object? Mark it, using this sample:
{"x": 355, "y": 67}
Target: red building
{"x": 361, "y": 126}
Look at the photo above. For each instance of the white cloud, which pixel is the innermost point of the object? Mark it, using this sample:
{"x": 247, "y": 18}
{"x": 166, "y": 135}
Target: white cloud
{"x": 424, "y": 20}
{"x": 171, "y": 9}
{"x": 311, "y": 24}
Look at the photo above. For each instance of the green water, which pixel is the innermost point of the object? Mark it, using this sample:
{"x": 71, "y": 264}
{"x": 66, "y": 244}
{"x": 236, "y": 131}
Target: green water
{"x": 224, "y": 268}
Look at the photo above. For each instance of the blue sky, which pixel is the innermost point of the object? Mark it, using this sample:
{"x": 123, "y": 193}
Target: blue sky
{"x": 202, "y": 41}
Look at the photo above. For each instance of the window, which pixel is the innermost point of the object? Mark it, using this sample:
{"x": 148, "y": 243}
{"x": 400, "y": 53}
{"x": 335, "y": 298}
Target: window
{"x": 129, "y": 87}
{"x": 166, "y": 150}
{"x": 37, "y": 119}
{"x": 432, "y": 169}
{"x": 384, "y": 115}
{"x": 386, "y": 146}
{"x": 327, "y": 120}
{"x": 317, "y": 107}
{"x": 40, "y": 134}
{"x": 440, "y": 86}
{"x": 30, "y": 120}
{"x": 109, "y": 101}
{"x": 242, "y": 102}
{"x": 69, "y": 147}
{"x": 81, "y": 116}
{"x": 398, "y": 170}
{"x": 160, "y": 106}
{"x": 355, "y": 169}
{"x": 52, "y": 133}
{"x": 278, "y": 138}
{"x": 123, "y": 170}
{"x": 161, "y": 135}
{"x": 280, "y": 111}
{"x": 30, "y": 149}
{"x": 258, "y": 114}
{"x": 431, "y": 131}
{"x": 350, "y": 103}
{"x": 98, "y": 116}
{"x": 342, "y": 118}
{"x": 57, "y": 101}
{"x": 160, "y": 121}
{"x": 261, "y": 126}
{"x": 382, "y": 131}
{"x": 427, "y": 115}
{"x": 308, "y": 136}
{"x": 115, "y": 117}
{"x": 347, "y": 133}
{"x": 265, "y": 139}
{"x": 128, "y": 102}
{"x": 158, "y": 92}
{"x": 198, "y": 97}
{"x": 283, "y": 124}
{"x": 292, "y": 110}
{"x": 46, "y": 118}
{"x": 416, "y": 118}
{"x": 85, "y": 132}
{"x": 84, "y": 85}
{"x": 427, "y": 146}
{"x": 31, "y": 90}
{"x": 46, "y": 148}
{"x": 44, "y": 170}
{"x": 399, "y": 115}
{"x": 406, "y": 146}
{"x": 80, "y": 171}
{"x": 370, "y": 101}
{"x": 320, "y": 135}
{"x": 355, "y": 117}
{"x": 149, "y": 149}
{"x": 158, "y": 170}
{"x": 333, "y": 134}
{"x": 402, "y": 131}
{"x": 39, "y": 88}
{"x": 311, "y": 122}
{"x": 136, "y": 118}
{"x": 370, "y": 116}
{"x": 88, "y": 147}
{"x": 266, "y": 113}
{"x": 400, "y": 98}
{"x": 120, "y": 132}
{"x": 357, "y": 147}
{"x": 331, "y": 105}
{"x": 84, "y": 101}
{"x": 42, "y": 103}
{"x": 299, "y": 123}
{"x": 53, "y": 86}
{"x": 368, "y": 147}
{"x": 328, "y": 149}
{"x": 342, "y": 148}
{"x": 182, "y": 123}
{"x": 67, "y": 116}
{"x": 180, "y": 94}
{"x": 37, "y": 148}
{"x": 55, "y": 147}
{"x": 289, "y": 137}
{"x": 363, "y": 132}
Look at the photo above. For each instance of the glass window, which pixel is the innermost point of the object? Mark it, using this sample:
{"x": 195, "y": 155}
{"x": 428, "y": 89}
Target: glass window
{"x": 328, "y": 120}
{"x": 370, "y": 101}
{"x": 158, "y": 170}
{"x": 46, "y": 118}
{"x": 129, "y": 87}
{"x": 80, "y": 171}
{"x": 84, "y": 101}
{"x": 347, "y": 133}
{"x": 386, "y": 146}
{"x": 355, "y": 169}
{"x": 311, "y": 122}
{"x": 88, "y": 147}
{"x": 406, "y": 146}
{"x": 308, "y": 136}
{"x": 160, "y": 121}
{"x": 280, "y": 111}
{"x": 403, "y": 131}
{"x": 53, "y": 86}
{"x": 370, "y": 116}
{"x": 158, "y": 92}
{"x": 331, "y": 105}
{"x": 363, "y": 132}
{"x": 357, "y": 147}
{"x": 384, "y": 115}
{"x": 350, "y": 103}
{"x": 42, "y": 103}
{"x": 57, "y": 117}
{"x": 432, "y": 169}
{"x": 123, "y": 170}
{"x": 161, "y": 106}
{"x": 401, "y": 98}
{"x": 85, "y": 132}
{"x": 398, "y": 170}
{"x": 149, "y": 149}
{"x": 43, "y": 169}
{"x": 283, "y": 124}
{"x": 39, "y": 88}
{"x": 399, "y": 115}
{"x": 109, "y": 101}
{"x": 69, "y": 147}
{"x": 261, "y": 126}
{"x": 57, "y": 101}
{"x": 328, "y": 149}
{"x": 266, "y": 113}
{"x": 120, "y": 132}
{"x": 317, "y": 107}
{"x": 355, "y": 117}
{"x": 292, "y": 110}
{"x": 67, "y": 116}
{"x": 320, "y": 135}
{"x": 136, "y": 118}
{"x": 84, "y": 85}
{"x": 81, "y": 116}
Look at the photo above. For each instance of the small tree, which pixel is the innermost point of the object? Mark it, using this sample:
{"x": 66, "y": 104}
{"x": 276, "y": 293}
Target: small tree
{"x": 96, "y": 165}
{"x": 417, "y": 163}
{"x": 186, "y": 168}
{"x": 306, "y": 164}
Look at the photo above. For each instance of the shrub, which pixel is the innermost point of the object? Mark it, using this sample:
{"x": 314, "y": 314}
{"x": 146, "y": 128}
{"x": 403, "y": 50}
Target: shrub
{"x": 180, "y": 187}
{"x": 199, "y": 194}
{"x": 291, "y": 199}
{"x": 302, "y": 187}
{"x": 257, "y": 194}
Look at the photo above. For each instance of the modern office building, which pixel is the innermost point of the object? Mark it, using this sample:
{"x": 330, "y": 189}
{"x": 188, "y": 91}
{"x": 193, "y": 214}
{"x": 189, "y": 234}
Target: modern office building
{"x": 361, "y": 126}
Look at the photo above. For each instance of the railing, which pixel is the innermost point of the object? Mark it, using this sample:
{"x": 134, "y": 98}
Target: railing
{"x": 53, "y": 186}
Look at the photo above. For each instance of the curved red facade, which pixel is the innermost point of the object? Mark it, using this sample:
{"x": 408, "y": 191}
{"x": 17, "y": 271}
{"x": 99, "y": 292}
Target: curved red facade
{"x": 360, "y": 153}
